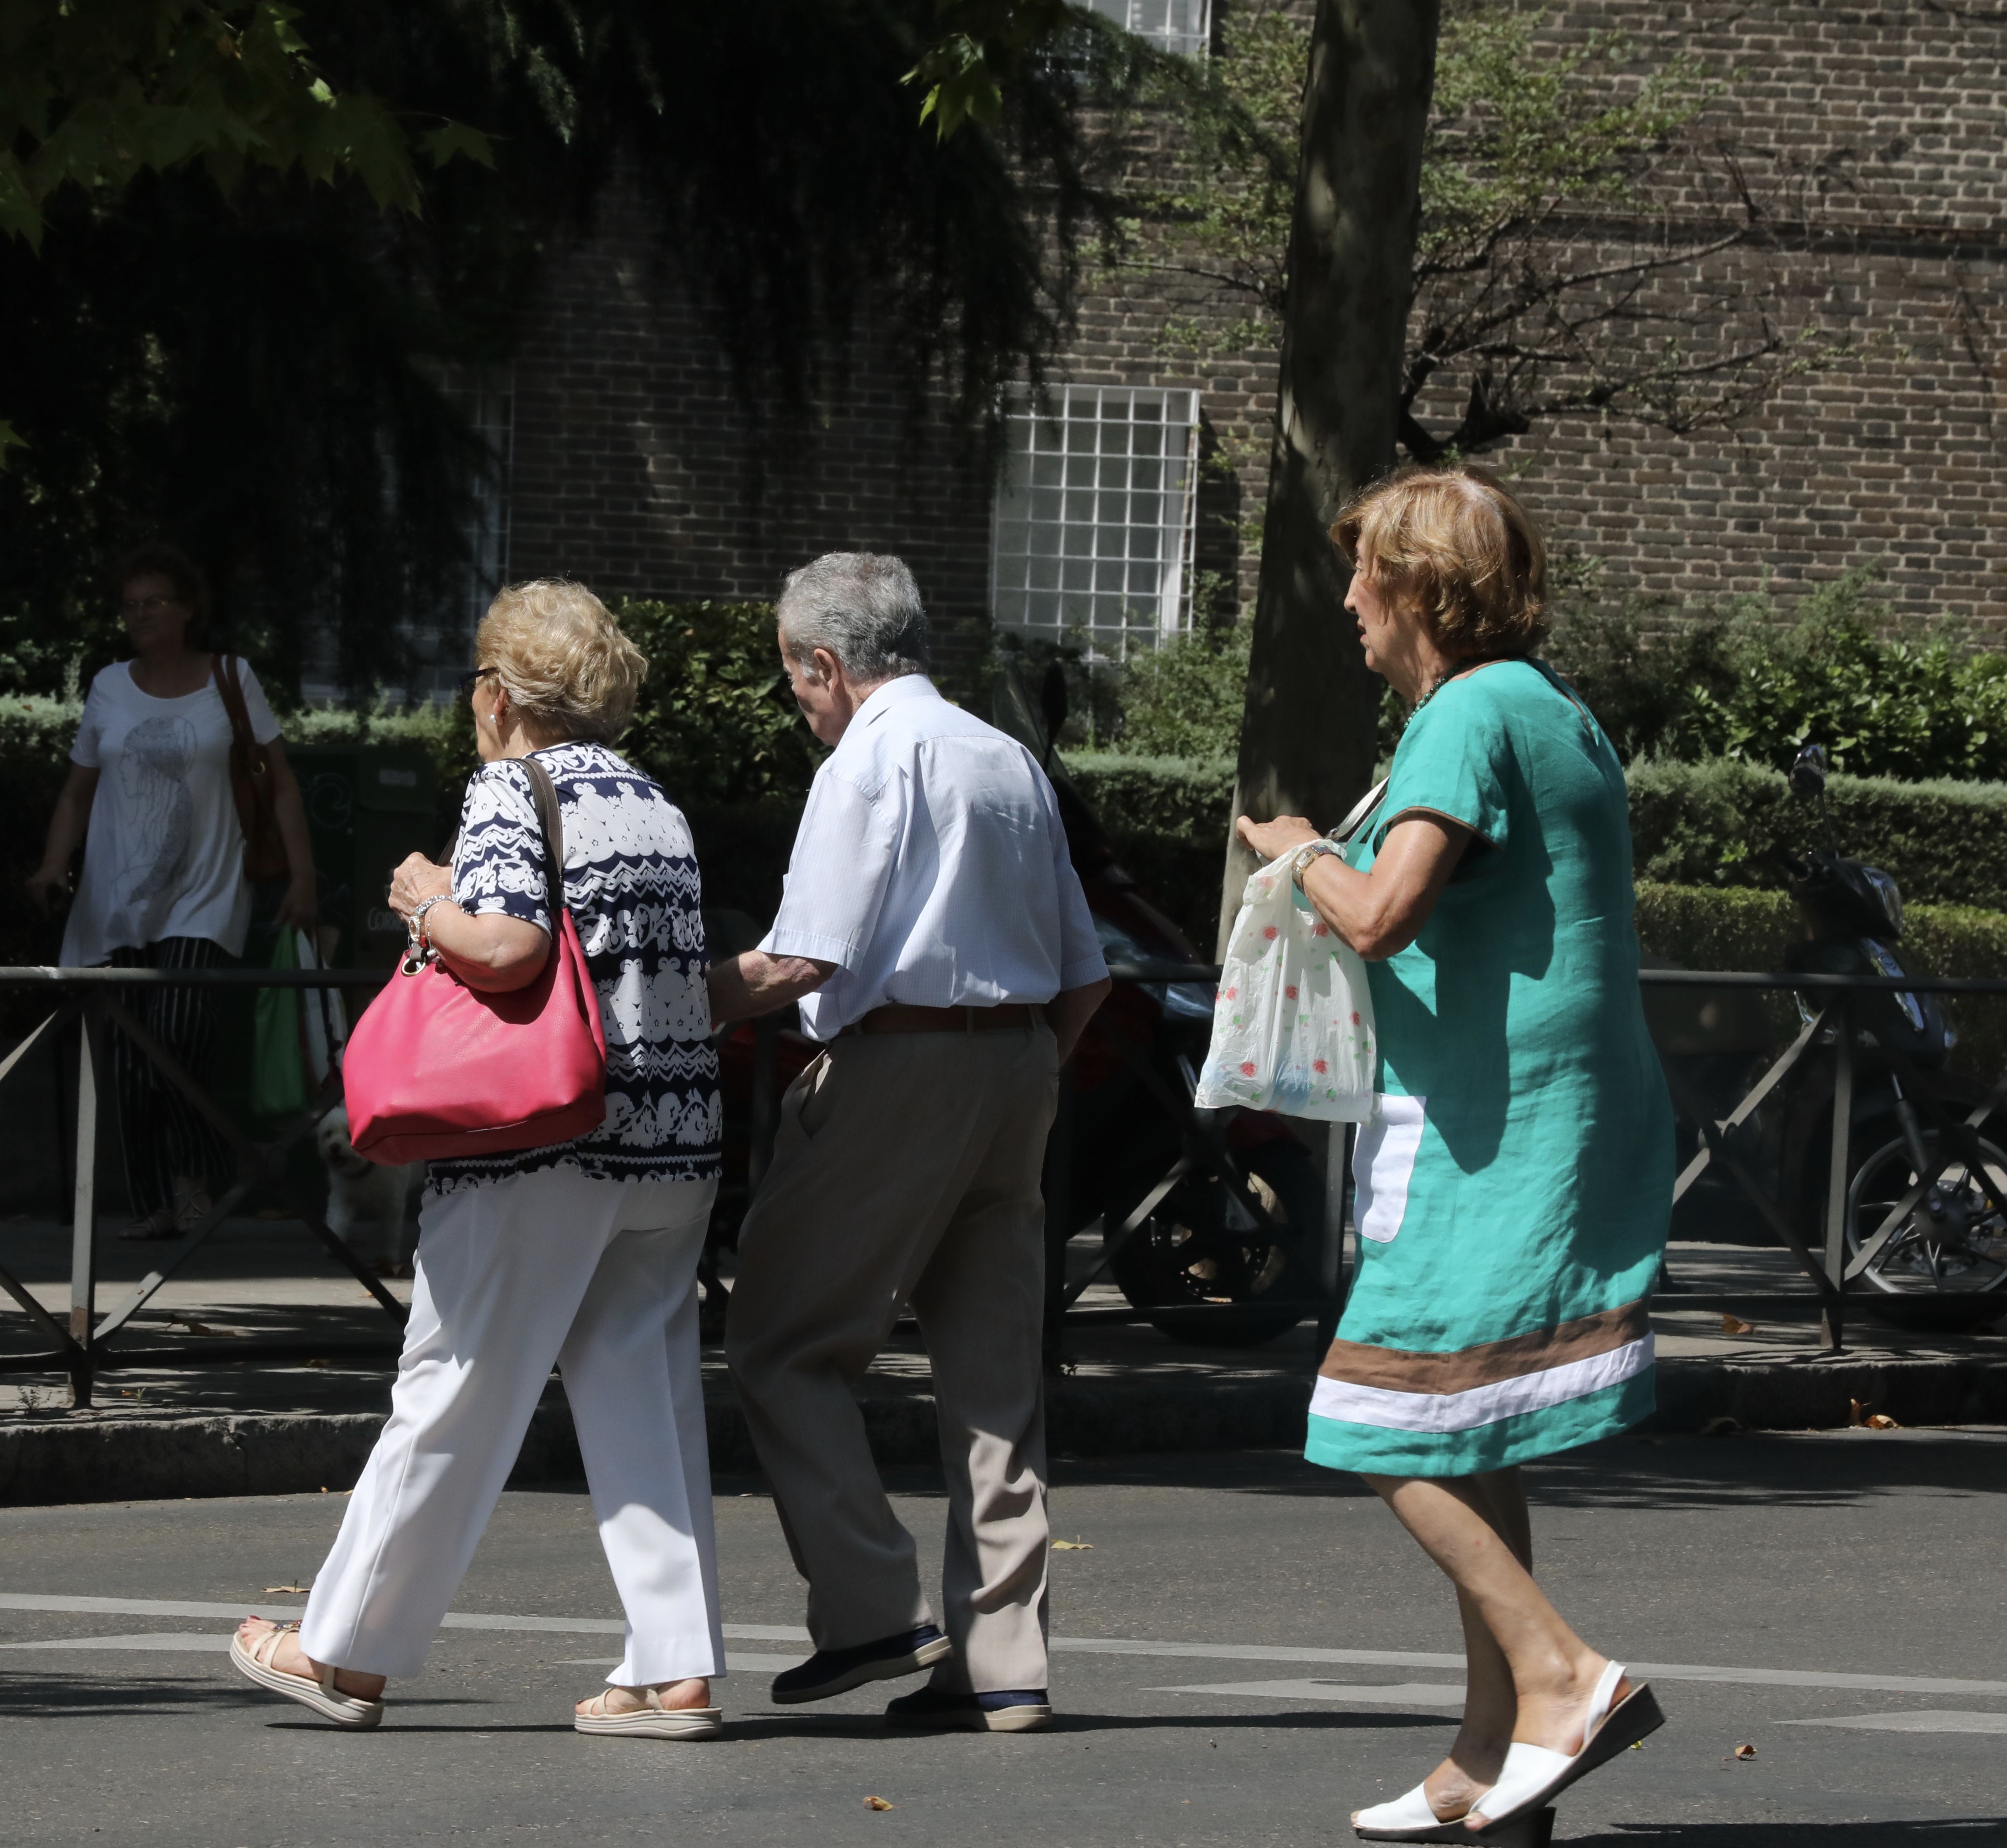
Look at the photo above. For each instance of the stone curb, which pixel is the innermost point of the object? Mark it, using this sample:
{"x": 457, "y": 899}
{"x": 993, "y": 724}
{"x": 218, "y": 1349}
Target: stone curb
{"x": 94, "y": 1458}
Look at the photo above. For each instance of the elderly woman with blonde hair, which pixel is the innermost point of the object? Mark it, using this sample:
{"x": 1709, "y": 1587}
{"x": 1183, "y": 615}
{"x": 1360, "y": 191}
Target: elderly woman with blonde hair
{"x": 582, "y": 1256}
{"x": 1515, "y": 1186}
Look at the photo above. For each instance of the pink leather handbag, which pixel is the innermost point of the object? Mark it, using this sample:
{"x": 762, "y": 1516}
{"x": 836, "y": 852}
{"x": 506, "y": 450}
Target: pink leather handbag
{"x": 435, "y": 1070}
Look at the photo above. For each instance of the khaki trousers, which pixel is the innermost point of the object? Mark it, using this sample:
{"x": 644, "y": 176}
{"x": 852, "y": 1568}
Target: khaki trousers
{"x": 906, "y": 1170}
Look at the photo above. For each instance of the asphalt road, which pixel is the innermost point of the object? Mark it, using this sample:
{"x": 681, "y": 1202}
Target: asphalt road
{"x": 1248, "y": 1648}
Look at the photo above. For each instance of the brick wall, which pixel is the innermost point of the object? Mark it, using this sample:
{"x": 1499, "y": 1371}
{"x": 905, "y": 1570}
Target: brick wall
{"x": 638, "y": 469}
{"x": 1881, "y": 127}
{"x": 1886, "y": 127}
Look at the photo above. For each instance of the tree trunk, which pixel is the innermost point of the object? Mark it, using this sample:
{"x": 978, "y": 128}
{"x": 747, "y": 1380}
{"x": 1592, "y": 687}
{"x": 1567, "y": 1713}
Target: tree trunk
{"x": 1307, "y": 736}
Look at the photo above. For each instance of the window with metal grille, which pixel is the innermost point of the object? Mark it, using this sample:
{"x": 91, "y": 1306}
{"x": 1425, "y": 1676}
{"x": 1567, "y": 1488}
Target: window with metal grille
{"x": 1091, "y": 536}
{"x": 1184, "y": 26}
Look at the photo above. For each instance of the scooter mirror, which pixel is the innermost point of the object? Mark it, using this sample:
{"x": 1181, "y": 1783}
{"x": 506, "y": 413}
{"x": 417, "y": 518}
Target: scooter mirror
{"x": 1808, "y": 770}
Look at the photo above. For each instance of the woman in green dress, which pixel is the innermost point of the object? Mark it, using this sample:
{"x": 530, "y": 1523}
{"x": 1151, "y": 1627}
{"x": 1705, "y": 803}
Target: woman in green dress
{"x": 1515, "y": 1186}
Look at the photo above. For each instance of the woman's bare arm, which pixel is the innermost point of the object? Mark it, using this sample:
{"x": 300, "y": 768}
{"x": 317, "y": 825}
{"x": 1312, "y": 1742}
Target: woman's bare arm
{"x": 1380, "y": 912}
{"x": 490, "y": 952}
{"x": 50, "y": 882}
{"x": 301, "y": 906}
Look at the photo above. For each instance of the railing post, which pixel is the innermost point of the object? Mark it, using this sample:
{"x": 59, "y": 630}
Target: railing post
{"x": 1833, "y": 1330}
{"x": 83, "y": 1207}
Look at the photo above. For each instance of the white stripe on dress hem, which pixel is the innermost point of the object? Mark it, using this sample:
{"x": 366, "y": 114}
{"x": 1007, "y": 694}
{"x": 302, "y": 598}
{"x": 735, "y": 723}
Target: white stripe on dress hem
{"x": 1350, "y": 1404}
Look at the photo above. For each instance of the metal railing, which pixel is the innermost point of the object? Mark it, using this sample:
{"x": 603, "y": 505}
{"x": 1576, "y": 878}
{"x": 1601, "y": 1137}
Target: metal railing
{"x": 90, "y": 1000}
{"x": 1831, "y": 1029}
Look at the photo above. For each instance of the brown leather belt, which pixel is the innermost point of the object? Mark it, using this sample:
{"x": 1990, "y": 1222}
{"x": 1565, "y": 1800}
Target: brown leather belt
{"x": 897, "y": 1018}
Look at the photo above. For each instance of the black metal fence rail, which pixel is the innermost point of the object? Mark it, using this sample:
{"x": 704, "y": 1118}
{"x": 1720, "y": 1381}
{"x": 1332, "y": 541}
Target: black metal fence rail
{"x": 90, "y": 1001}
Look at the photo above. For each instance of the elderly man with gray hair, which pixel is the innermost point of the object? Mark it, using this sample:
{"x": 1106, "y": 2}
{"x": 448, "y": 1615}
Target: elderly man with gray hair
{"x": 936, "y": 935}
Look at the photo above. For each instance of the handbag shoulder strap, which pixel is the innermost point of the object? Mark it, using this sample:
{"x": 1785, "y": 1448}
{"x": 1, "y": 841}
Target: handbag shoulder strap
{"x": 222, "y": 668}
{"x": 1361, "y": 810}
{"x": 550, "y": 821}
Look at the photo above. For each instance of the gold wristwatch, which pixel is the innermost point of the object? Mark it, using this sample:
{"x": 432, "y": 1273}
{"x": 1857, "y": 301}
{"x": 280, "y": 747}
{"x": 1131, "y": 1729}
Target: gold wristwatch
{"x": 1300, "y": 861}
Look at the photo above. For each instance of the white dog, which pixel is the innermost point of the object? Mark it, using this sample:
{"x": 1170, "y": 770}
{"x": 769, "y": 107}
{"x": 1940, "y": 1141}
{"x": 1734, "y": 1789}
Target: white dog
{"x": 361, "y": 1192}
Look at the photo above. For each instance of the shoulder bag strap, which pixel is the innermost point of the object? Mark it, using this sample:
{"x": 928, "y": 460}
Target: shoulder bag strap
{"x": 222, "y": 668}
{"x": 1361, "y": 811}
{"x": 550, "y": 819}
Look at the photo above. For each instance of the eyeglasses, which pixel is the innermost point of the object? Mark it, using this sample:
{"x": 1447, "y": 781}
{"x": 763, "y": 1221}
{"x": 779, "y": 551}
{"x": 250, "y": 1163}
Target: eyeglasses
{"x": 148, "y": 606}
{"x": 469, "y": 682}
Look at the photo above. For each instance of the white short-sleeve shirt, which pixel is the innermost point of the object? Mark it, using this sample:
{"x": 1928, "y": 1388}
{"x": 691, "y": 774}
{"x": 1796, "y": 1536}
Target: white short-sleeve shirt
{"x": 164, "y": 856}
{"x": 932, "y": 869}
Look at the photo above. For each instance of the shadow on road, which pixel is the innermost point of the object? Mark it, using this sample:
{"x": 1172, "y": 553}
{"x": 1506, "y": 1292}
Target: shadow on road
{"x": 1955, "y": 1832}
{"x": 1795, "y": 1469}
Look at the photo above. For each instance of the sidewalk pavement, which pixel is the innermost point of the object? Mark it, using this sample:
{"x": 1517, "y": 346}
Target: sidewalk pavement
{"x": 231, "y": 1426}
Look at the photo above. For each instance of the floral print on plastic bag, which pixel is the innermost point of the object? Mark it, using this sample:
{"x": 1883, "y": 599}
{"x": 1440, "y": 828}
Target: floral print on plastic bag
{"x": 1293, "y": 1026}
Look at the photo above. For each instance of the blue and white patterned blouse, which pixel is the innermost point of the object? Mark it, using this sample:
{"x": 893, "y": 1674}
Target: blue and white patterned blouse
{"x": 631, "y": 882}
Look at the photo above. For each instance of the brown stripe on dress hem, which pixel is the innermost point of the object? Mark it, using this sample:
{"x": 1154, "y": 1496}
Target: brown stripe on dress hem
{"x": 1396, "y": 1370}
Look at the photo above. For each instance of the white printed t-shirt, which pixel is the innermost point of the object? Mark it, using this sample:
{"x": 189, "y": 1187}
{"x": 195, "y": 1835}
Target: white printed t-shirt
{"x": 931, "y": 867}
{"x": 164, "y": 856}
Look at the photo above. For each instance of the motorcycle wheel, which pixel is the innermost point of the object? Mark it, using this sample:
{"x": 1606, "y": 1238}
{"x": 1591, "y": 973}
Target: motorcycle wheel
{"x": 1200, "y": 1280}
{"x": 1945, "y": 1268}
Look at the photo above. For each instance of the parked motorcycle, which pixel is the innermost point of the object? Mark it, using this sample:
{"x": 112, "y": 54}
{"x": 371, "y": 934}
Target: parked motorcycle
{"x": 1225, "y": 1254}
{"x": 1926, "y": 1206}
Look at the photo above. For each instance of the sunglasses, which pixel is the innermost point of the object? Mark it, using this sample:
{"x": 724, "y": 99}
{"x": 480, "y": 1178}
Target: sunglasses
{"x": 468, "y": 682}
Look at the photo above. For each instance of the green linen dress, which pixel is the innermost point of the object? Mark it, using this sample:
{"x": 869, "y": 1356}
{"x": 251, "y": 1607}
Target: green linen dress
{"x": 1515, "y": 1186}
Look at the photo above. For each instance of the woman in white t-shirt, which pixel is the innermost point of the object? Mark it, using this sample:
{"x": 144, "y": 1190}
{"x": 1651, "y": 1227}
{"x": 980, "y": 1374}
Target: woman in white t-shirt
{"x": 150, "y": 799}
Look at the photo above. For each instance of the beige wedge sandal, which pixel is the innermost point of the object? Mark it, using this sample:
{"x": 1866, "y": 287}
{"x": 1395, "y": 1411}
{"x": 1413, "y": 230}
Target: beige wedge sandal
{"x": 344, "y": 1710}
{"x": 655, "y": 1721}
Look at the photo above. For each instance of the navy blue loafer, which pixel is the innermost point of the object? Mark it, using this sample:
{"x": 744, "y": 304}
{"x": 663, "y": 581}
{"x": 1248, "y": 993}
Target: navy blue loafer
{"x": 837, "y": 1671}
{"x": 937, "y": 1709}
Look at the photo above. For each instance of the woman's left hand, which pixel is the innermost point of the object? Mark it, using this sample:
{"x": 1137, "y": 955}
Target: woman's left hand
{"x": 300, "y": 908}
{"x": 416, "y": 881}
{"x": 1273, "y": 839}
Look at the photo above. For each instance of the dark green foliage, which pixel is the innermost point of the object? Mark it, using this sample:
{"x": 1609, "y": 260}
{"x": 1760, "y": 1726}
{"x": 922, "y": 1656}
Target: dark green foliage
{"x": 1185, "y": 699}
{"x": 256, "y": 378}
{"x": 1740, "y": 682}
{"x": 717, "y": 723}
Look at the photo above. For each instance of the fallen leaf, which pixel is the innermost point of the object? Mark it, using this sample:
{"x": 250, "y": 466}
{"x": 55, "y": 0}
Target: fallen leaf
{"x": 1735, "y": 1325}
{"x": 301, "y": 1588}
{"x": 1881, "y": 1421}
{"x": 1745, "y": 1752}
{"x": 1722, "y": 1427}
{"x": 1073, "y": 1546}
{"x": 1856, "y": 1413}
{"x": 197, "y": 1327}
{"x": 877, "y": 1803}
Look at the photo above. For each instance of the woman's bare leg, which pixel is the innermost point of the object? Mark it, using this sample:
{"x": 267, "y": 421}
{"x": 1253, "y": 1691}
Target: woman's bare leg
{"x": 1491, "y": 1703}
{"x": 1554, "y": 1672}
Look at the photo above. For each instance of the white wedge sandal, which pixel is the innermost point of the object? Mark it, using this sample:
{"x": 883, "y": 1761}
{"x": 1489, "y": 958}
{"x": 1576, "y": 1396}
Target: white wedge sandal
{"x": 1533, "y": 1776}
{"x": 1409, "y": 1818}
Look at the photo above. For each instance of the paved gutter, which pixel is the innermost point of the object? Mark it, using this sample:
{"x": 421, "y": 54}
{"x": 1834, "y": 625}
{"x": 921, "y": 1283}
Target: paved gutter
{"x": 116, "y": 1455}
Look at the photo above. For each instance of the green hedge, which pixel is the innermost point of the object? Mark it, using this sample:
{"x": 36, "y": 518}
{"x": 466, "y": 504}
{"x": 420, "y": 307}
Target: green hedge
{"x": 1167, "y": 818}
{"x": 1719, "y": 823}
{"x": 1728, "y": 823}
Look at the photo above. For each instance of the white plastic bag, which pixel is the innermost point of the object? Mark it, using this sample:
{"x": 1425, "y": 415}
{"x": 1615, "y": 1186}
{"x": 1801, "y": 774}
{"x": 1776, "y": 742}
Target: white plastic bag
{"x": 1293, "y": 1028}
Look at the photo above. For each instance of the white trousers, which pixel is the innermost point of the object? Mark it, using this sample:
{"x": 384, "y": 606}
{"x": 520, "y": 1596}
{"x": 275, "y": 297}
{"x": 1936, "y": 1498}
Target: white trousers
{"x": 600, "y": 1277}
